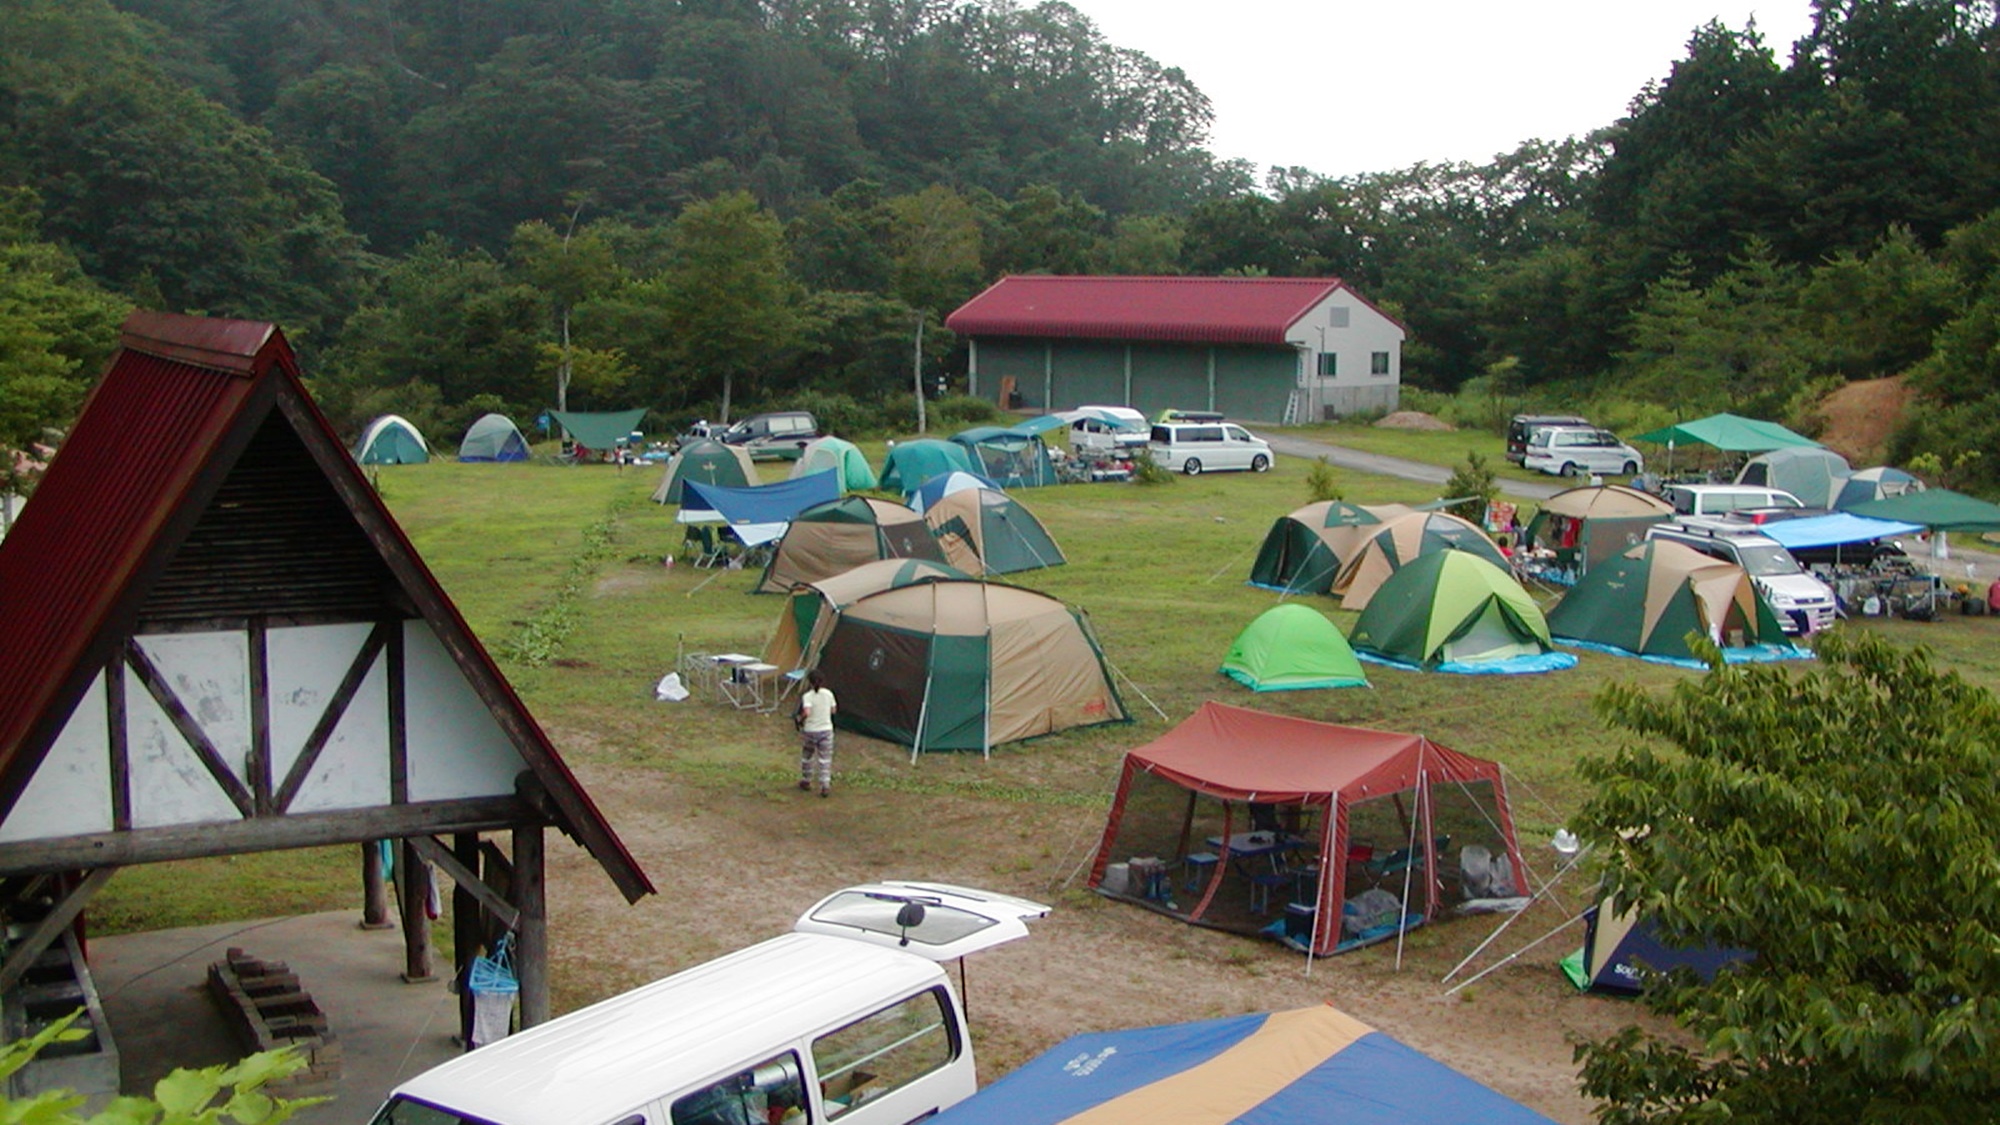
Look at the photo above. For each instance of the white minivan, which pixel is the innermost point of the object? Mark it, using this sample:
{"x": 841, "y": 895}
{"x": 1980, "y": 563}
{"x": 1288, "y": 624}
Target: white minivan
{"x": 1574, "y": 451}
{"x": 849, "y": 1018}
{"x": 1197, "y": 447}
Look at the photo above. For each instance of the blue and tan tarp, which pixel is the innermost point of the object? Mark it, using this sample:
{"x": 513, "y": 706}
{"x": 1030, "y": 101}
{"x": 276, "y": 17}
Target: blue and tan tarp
{"x": 1277, "y": 1068}
{"x": 759, "y": 513}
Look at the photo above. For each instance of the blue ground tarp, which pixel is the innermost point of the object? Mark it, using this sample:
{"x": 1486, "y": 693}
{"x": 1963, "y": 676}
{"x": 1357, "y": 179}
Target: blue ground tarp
{"x": 754, "y": 512}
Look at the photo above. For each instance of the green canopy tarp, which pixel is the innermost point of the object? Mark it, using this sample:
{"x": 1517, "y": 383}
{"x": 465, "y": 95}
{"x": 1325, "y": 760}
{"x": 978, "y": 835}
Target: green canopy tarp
{"x": 1730, "y": 433}
{"x": 1939, "y": 509}
{"x": 599, "y": 431}
{"x": 1292, "y": 647}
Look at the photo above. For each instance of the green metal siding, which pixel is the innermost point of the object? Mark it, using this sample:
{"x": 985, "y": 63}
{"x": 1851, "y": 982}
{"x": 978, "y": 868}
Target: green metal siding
{"x": 1001, "y": 356}
{"x": 1088, "y": 372}
{"x": 1249, "y": 382}
{"x": 1255, "y": 382}
{"x": 1166, "y": 376}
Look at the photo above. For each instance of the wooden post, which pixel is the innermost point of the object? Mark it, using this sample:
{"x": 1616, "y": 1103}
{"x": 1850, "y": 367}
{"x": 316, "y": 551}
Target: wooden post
{"x": 468, "y": 918}
{"x": 416, "y": 883}
{"x": 531, "y": 937}
{"x": 374, "y": 888}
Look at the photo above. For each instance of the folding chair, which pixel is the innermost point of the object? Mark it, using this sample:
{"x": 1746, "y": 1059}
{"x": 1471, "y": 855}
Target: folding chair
{"x": 700, "y": 543}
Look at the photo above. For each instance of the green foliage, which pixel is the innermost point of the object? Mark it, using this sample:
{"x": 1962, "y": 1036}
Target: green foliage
{"x": 56, "y": 328}
{"x": 209, "y": 1096}
{"x": 1149, "y": 472}
{"x": 727, "y": 295}
{"x": 1474, "y": 480}
{"x": 1321, "y": 482}
{"x": 838, "y": 414}
{"x": 965, "y": 411}
{"x": 1840, "y": 822}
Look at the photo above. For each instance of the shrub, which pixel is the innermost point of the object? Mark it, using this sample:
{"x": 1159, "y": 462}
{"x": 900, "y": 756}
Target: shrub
{"x": 961, "y": 411}
{"x": 1145, "y": 470}
{"x": 1321, "y": 483}
{"x": 1474, "y": 481}
{"x": 839, "y": 414}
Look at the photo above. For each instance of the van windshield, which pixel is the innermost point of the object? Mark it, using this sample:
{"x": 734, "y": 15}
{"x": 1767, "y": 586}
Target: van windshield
{"x": 1766, "y": 561}
{"x": 941, "y": 924}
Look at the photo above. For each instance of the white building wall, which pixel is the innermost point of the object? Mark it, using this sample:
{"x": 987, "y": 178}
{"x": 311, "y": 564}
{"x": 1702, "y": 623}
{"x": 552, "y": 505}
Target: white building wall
{"x": 1354, "y": 333}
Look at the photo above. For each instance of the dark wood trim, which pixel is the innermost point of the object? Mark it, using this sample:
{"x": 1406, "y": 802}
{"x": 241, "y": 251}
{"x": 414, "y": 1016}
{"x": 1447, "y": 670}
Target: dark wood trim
{"x": 461, "y": 875}
{"x": 374, "y": 889}
{"x": 45, "y": 932}
{"x": 399, "y": 715}
{"x": 260, "y": 718}
{"x": 236, "y": 623}
{"x": 469, "y": 921}
{"x": 190, "y": 729}
{"x": 329, "y": 719}
{"x": 118, "y": 744}
{"x": 531, "y": 937}
{"x": 261, "y": 834}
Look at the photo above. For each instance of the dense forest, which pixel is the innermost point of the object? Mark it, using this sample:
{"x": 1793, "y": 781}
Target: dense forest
{"x": 703, "y": 205}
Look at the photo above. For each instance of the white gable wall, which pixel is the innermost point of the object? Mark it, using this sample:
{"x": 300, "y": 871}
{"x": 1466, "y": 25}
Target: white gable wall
{"x": 1351, "y": 331}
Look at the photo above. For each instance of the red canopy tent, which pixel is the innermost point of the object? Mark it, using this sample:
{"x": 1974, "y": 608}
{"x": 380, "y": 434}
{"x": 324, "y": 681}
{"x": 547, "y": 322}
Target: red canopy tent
{"x": 1349, "y": 804}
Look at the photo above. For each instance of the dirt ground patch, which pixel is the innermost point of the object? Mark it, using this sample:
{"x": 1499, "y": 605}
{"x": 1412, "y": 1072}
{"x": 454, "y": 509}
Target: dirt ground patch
{"x": 1861, "y": 416}
{"x": 1414, "y": 420}
{"x": 736, "y": 863}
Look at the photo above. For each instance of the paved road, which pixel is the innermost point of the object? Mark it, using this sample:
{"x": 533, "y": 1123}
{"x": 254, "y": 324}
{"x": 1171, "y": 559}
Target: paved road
{"x": 1380, "y": 465}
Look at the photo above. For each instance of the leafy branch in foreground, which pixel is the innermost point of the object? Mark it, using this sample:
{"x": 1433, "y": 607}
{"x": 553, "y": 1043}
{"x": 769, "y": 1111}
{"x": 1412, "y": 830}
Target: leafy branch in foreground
{"x": 208, "y": 1096}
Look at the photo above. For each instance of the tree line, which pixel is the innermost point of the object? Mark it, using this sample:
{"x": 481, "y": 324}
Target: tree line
{"x": 690, "y": 204}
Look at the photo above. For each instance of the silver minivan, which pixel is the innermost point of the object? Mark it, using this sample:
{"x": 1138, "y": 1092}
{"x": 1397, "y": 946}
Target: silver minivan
{"x": 1574, "y": 451}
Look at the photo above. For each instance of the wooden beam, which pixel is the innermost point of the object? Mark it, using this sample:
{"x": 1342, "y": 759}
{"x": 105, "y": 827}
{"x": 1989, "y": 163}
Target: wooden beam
{"x": 190, "y": 728}
{"x": 118, "y": 743}
{"x": 465, "y": 880}
{"x": 399, "y": 717}
{"x": 263, "y": 834}
{"x": 260, "y": 718}
{"x": 46, "y": 931}
{"x": 413, "y": 875}
{"x": 374, "y": 889}
{"x": 531, "y": 937}
{"x": 329, "y": 719}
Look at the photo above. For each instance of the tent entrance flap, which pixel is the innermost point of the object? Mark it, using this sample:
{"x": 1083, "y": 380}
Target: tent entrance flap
{"x": 867, "y": 667}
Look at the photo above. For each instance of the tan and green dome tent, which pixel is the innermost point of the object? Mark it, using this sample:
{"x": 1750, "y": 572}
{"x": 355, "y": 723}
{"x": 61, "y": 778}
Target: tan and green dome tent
{"x": 1585, "y": 526}
{"x": 1292, "y": 647}
{"x": 1646, "y": 601}
{"x": 986, "y": 531}
{"x": 705, "y": 462}
{"x": 960, "y": 664}
{"x": 1304, "y": 550}
{"x": 814, "y": 606}
{"x": 838, "y": 535}
{"x": 1402, "y": 540}
{"x": 1453, "y": 611}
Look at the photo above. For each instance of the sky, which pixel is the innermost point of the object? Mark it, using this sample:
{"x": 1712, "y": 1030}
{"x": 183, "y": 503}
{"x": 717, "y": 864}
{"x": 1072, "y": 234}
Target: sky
{"x": 1343, "y": 87}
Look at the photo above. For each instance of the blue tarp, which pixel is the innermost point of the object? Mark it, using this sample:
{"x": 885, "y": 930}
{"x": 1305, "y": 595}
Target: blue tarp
{"x": 756, "y": 511}
{"x": 1512, "y": 666}
{"x": 1277, "y": 1068}
{"x": 1832, "y": 530}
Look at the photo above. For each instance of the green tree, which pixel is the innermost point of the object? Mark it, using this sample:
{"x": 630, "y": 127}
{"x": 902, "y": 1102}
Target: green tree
{"x": 184, "y": 1097}
{"x": 56, "y": 328}
{"x": 727, "y": 294}
{"x": 1841, "y": 822}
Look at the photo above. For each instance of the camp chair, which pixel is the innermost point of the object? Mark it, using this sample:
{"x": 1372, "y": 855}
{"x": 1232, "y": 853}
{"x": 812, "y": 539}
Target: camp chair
{"x": 699, "y": 543}
{"x": 1380, "y": 867}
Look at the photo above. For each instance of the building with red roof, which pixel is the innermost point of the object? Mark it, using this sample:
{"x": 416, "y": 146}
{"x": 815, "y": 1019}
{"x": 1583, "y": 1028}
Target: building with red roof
{"x": 1272, "y": 349}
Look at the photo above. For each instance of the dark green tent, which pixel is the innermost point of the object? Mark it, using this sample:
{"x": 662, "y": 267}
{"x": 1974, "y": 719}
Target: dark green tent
{"x": 1292, "y": 647}
{"x": 985, "y": 530}
{"x": 1305, "y": 549}
{"x": 1646, "y": 601}
{"x": 599, "y": 431}
{"x": 705, "y": 462}
{"x": 1454, "y": 611}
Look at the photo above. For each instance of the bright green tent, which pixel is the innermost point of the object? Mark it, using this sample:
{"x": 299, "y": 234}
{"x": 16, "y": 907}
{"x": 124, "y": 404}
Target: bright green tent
{"x": 1455, "y": 611}
{"x": 1729, "y": 433}
{"x": 911, "y": 463}
{"x": 839, "y": 454}
{"x": 391, "y": 440}
{"x": 599, "y": 431}
{"x": 1292, "y": 647}
{"x": 1647, "y": 600}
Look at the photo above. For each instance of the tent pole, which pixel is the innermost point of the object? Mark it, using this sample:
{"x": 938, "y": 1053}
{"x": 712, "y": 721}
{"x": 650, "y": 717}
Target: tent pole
{"x": 986, "y": 712}
{"x": 1547, "y": 888}
{"x": 1453, "y": 990}
{"x": 1409, "y": 867}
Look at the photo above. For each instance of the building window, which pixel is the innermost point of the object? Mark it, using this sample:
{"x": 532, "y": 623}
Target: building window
{"x": 1378, "y": 363}
{"x": 1336, "y": 317}
{"x": 1327, "y": 365}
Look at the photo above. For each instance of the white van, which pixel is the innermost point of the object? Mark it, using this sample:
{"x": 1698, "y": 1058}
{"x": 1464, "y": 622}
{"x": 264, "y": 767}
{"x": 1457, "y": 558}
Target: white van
{"x": 1106, "y": 430}
{"x": 1722, "y": 499}
{"x": 1802, "y": 603}
{"x": 1193, "y": 448}
{"x": 850, "y": 1018}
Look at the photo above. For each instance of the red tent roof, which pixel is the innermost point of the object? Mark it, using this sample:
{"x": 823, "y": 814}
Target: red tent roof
{"x": 1238, "y": 754}
{"x": 1204, "y": 310}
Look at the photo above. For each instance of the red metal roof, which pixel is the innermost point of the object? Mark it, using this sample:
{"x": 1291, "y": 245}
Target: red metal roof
{"x": 1192, "y": 310}
{"x": 178, "y": 403}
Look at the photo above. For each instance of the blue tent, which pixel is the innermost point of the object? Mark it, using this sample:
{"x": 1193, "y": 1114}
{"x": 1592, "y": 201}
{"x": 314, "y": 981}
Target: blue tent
{"x": 759, "y": 513}
{"x": 1276, "y": 1068}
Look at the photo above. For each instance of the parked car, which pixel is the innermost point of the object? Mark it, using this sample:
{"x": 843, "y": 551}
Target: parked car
{"x": 1803, "y": 603}
{"x": 1107, "y": 430}
{"x": 1521, "y": 427}
{"x": 781, "y": 434}
{"x": 1723, "y": 499}
{"x": 850, "y": 1017}
{"x": 1196, "y": 448}
{"x": 1574, "y": 451}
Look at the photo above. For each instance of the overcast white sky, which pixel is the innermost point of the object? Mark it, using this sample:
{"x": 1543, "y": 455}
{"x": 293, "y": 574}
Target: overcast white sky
{"x": 1346, "y": 86}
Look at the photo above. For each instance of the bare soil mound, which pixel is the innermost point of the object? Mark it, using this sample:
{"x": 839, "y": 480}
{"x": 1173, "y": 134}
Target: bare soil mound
{"x": 1413, "y": 420}
{"x": 1860, "y": 417}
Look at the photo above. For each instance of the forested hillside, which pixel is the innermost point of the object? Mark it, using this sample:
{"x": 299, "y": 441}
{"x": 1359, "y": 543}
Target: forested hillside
{"x": 459, "y": 206}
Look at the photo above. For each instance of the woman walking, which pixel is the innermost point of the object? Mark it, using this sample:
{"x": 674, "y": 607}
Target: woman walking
{"x": 815, "y": 719}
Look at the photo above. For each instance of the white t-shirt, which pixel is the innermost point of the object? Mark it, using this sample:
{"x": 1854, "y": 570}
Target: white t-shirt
{"x": 818, "y": 706}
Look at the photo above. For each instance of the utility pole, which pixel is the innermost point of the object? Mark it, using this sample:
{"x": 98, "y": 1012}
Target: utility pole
{"x": 917, "y": 371}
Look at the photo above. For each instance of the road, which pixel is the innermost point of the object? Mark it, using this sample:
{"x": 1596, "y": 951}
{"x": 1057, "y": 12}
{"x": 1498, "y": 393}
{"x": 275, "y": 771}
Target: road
{"x": 1380, "y": 465}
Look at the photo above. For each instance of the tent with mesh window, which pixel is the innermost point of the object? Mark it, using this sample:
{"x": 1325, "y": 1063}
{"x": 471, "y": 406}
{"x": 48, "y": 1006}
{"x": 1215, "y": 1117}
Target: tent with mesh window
{"x": 1581, "y": 527}
{"x": 1324, "y": 837}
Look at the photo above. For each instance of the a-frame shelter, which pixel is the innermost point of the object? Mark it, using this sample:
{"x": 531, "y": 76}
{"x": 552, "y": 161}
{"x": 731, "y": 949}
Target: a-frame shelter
{"x": 220, "y": 642}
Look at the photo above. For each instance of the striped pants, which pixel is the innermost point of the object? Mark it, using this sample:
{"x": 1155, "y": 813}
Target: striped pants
{"x": 816, "y": 758}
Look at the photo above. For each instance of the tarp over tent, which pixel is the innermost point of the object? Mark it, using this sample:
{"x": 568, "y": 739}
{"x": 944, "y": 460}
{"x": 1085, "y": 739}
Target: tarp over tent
{"x": 828, "y": 538}
{"x": 964, "y": 665}
{"x": 990, "y": 532}
{"x": 1011, "y": 458}
{"x": 391, "y": 440}
{"x": 1729, "y": 433}
{"x": 1304, "y": 550}
{"x": 1646, "y": 602}
{"x": 1357, "y": 807}
{"x": 1814, "y": 475}
{"x": 810, "y": 613}
{"x": 911, "y": 463}
{"x": 1292, "y": 647}
{"x": 1400, "y": 542}
{"x": 1877, "y": 483}
{"x": 705, "y": 461}
{"x": 840, "y": 455}
{"x": 1834, "y": 529}
{"x": 1278, "y": 1068}
{"x": 599, "y": 430}
{"x": 1585, "y": 526}
{"x": 1452, "y": 611}
{"x": 760, "y": 513}
{"x": 494, "y": 437}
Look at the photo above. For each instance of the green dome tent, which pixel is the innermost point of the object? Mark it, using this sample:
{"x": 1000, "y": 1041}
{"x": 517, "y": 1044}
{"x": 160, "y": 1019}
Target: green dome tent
{"x": 494, "y": 437}
{"x": 1292, "y": 647}
{"x": 1453, "y": 611}
{"x": 911, "y": 463}
{"x": 391, "y": 440}
{"x": 838, "y": 454}
{"x": 828, "y": 538}
{"x": 1646, "y": 601}
{"x": 983, "y": 530}
{"x": 1305, "y": 549}
{"x": 1399, "y": 542}
{"x": 705, "y": 462}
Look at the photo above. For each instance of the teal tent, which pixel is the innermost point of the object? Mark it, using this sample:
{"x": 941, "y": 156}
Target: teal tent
{"x": 1011, "y": 458}
{"x": 599, "y": 431}
{"x": 1292, "y": 647}
{"x": 982, "y": 529}
{"x": 911, "y": 463}
{"x": 391, "y": 440}
{"x": 494, "y": 437}
{"x": 840, "y": 455}
{"x": 1730, "y": 434}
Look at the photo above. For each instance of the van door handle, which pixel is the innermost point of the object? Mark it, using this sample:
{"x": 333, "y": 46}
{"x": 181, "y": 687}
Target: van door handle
{"x": 924, "y": 1116}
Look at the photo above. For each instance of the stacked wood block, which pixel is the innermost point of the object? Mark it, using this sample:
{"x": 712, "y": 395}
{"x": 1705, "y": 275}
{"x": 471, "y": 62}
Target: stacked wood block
{"x": 269, "y": 1009}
